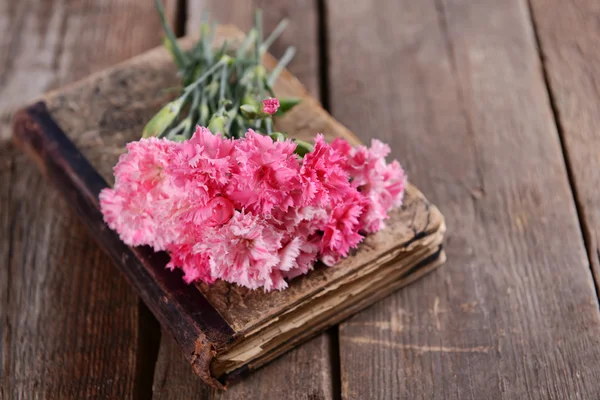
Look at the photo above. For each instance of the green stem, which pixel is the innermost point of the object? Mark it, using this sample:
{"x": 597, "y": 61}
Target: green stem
{"x": 181, "y": 58}
{"x": 188, "y": 89}
{"x": 193, "y": 110}
{"x": 274, "y": 35}
{"x": 223, "y": 83}
{"x": 283, "y": 62}
{"x": 269, "y": 122}
{"x": 217, "y": 82}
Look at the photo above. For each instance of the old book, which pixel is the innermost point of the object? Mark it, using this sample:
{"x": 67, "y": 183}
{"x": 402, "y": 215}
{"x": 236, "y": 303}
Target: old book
{"x": 76, "y": 134}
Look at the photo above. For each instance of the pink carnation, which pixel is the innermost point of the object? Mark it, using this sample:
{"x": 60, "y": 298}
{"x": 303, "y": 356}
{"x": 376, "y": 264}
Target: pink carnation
{"x": 221, "y": 211}
{"x": 270, "y": 105}
{"x": 142, "y": 167}
{"x": 127, "y": 212}
{"x": 141, "y": 187}
{"x": 323, "y": 175}
{"x": 382, "y": 184}
{"x": 265, "y": 175}
{"x": 195, "y": 266}
{"x": 301, "y": 227}
{"x": 206, "y": 158}
{"x": 341, "y": 232}
{"x": 245, "y": 251}
{"x": 248, "y": 211}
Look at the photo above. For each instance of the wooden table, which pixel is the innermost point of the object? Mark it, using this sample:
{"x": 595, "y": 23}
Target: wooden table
{"x": 493, "y": 107}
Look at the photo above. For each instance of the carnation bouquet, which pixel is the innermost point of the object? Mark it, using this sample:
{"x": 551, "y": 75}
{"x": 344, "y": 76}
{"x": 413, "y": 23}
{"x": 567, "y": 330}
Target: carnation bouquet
{"x": 227, "y": 196}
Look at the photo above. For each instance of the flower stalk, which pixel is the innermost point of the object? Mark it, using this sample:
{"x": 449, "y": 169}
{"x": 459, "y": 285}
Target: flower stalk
{"x": 223, "y": 89}
{"x": 227, "y": 196}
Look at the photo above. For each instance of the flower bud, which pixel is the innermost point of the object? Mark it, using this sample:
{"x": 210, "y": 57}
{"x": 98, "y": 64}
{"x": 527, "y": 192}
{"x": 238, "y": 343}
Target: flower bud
{"x": 204, "y": 111}
{"x": 213, "y": 89}
{"x": 225, "y": 59}
{"x": 163, "y": 119}
{"x": 250, "y": 100}
{"x": 270, "y": 105}
{"x": 249, "y": 111}
{"x": 217, "y": 124}
{"x": 260, "y": 71}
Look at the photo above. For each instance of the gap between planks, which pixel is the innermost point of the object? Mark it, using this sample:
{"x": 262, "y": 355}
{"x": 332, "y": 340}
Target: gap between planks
{"x": 579, "y": 204}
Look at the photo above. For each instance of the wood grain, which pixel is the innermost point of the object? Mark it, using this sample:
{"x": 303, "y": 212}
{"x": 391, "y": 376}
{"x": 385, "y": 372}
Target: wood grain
{"x": 70, "y": 325}
{"x": 309, "y": 367}
{"x": 108, "y": 109}
{"x": 457, "y": 89}
{"x": 568, "y": 34}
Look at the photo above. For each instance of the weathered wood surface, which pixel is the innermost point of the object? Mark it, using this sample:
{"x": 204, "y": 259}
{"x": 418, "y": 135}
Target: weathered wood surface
{"x": 103, "y": 112}
{"x": 71, "y": 327}
{"x": 514, "y": 313}
{"x": 569, "y": 36}
{"x": 309, "y": 371}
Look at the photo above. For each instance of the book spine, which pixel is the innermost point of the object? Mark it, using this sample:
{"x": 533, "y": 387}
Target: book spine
{"x": 193, "y": 322}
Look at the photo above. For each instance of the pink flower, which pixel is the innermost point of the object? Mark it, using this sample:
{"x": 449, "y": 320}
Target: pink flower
{"x": 289, "y": 253}
{"x": 323, "y": 175}
{"x": 266, "y": 174}
{"x": 248, "y": 211}
{"x": 309, "y": 250}
{"x": 341, "y": 232}
{"x": 245, "y": 251}
{"x": 200, "y": 170}
{"x": 301, "y": 238}
{"x": 205, "y": 157}
{"x": 270, "y": 105}
{"x": 195, "y": 266}
{"x": 141, "y": 189}
{"x": 382, "y": 184}
{"x": 221, "y": 211}
{"x": 127, "y": 212}
{"x": 143, "y": 168}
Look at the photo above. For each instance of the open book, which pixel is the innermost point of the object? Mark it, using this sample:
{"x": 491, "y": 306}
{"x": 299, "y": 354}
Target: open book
{"x": 76, "y": 135}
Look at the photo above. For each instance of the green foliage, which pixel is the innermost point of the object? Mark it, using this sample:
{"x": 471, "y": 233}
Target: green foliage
{"x": 221, "y": 88}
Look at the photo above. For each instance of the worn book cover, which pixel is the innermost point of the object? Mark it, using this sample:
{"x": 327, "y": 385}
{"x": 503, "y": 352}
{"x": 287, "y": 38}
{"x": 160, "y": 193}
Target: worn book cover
{"x": 76, "y": 135}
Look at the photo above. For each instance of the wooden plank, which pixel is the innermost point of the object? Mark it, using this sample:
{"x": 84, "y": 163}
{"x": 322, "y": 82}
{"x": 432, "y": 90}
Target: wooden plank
{"x": 305, "y": 371}
{"x": 71, "y": 326}
{"x": 97, "y": 116}
{"x": 457, "y": 89}
{"x": 568, "y": 34}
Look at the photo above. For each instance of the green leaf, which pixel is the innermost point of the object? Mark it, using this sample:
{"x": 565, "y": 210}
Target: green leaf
{"x": 303, "y": 148}
{"x": 277, "y": 137}
{"x": 217, "y": 124}
{"x": 169, "y": 46}
{"x": 206, "y": 37}
{"x": 250, "y": 37}
{"x": 163, "y": 119}
{"x": 286, "y": 104}
{"x": 249, "y": 111}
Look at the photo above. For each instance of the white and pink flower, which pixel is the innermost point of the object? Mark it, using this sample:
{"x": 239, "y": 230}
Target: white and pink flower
{"x": 250, "y": 211}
